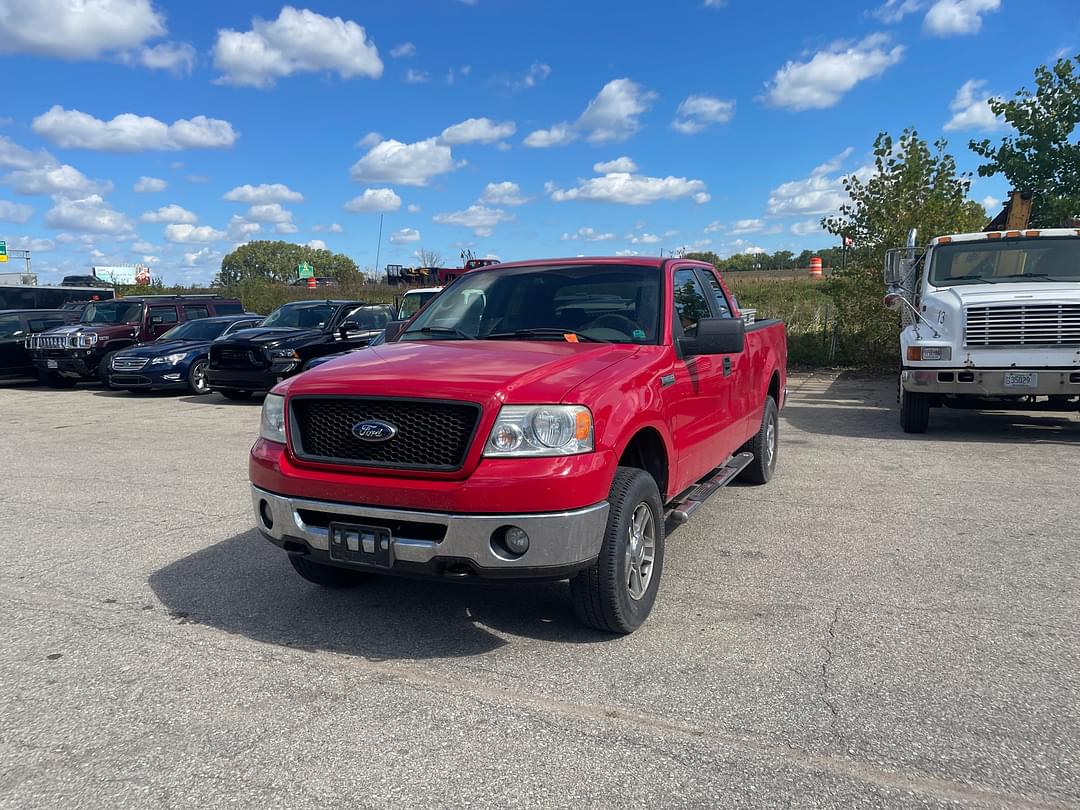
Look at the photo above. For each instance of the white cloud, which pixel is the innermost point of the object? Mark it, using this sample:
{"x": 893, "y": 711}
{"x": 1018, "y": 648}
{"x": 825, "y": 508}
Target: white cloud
{"x": 971, "y": 109}
{"x": 285, "y": 227}
{"x": 18, "y": 213}
{"x": 893, "y": 11}
{"x": 90, "y": 214}
{"x": 405, "y": 49}
{"x": 298, "y": 41}
{"x": 191, "y": 234}
{"x": 747, "y": 226}
{"x": 33, "y": 244}
{"x": 807, "y": 227}
{"x": 477, "y": 130}
{"x": 404, "y": 236}
{"x": 587, "y": 235}
{"x": 754, "y": 250}
{"x": 714, "y": 226}
{"x": 626, "y": 188}
{"x": 628, "y": 252}
{"x": 149, "y": 185}
{"x": 480, "y": 218}
{"x": 538, "y": 71}
{"x": 240, "y": 230}
{"x": 613, "y": 114}
{"x": 127, "y": 132}
{"x": 413, "y": 76}
{"x": 715, "y": 3}
{"x": 407, "y": 164}
{"x": 170, "y": 213}
{"x": 413, "y": 208}
{"x": 505, "y": 193}
{"x": 823, "y": 80}
{"x": 698, "y": 112}
{"x": 950, "y": 18}
{"x": 374, "y": 200}
{"x": 77, "y": 30}
{"x": 620, "y": 164}
{"x": 453, "y": 73}
{"x": 202, "y": 256}
{"x": 644, "y": 239}
{"x": 55, "y": 179}
{"x": 269, "y": 212}
{"x": 992, "y": 205}
{"x": 177, "y": 58}
{"x": 316, "y": 244}
{"x": 333, "y": 227}
{"x": 142, "y": 246}
{"x": 558, "y": 135}
{"x": 13, "y": 156}
{"x": 263, "y": 193}
{"x": 370, "y": 140}
{"x": 820, "y": 193}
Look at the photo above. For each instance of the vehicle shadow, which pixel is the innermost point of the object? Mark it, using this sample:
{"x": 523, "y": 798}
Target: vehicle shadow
{"x": 864, "y": 407}
{"x": 244, "y": 585}
{"x": 219, "y": 400}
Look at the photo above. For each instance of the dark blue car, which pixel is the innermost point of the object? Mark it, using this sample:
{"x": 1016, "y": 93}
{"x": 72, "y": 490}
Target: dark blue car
{"x": 177, "y": 359}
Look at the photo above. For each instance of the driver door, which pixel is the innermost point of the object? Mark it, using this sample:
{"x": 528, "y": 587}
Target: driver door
{"x": 160, "y": 319}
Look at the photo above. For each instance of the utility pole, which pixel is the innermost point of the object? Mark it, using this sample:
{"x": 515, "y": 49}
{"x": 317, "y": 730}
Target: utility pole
{"x": 378, "y": 249}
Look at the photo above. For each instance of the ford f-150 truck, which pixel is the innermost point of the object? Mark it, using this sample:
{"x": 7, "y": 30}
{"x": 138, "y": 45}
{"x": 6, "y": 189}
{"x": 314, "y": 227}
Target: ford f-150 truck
{"x": 991, "y": 320}
{"x": 538, "y": 420}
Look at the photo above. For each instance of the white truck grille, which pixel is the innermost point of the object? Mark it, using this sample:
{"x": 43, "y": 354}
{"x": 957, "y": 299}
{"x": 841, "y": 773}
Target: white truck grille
{"x": 1023, "y": 325}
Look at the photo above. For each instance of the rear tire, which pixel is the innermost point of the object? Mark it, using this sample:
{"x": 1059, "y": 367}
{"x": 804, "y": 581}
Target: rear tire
{"x": 234, "y": 395}
{"x": 327, "y": 576}
{"x": 617, "y": 592}
{"x": 196, "y": 379}
{"x": 914, "y": 411}
{"x": 764, "y": 446}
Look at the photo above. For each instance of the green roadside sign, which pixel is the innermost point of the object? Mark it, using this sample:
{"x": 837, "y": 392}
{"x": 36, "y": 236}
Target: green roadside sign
{"x": 305, "y": 270}
{"x": 3, "y": 251}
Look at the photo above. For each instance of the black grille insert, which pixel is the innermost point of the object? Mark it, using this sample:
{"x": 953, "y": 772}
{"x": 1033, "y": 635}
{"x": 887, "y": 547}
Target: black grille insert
{"x": 431, "y": 434}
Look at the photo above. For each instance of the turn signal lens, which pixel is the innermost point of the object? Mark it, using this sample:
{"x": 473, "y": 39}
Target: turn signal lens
{"x": 583, "y": 426}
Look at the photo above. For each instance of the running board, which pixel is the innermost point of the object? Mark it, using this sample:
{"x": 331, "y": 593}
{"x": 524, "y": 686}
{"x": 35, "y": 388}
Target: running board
{"x": 719, "y": 478}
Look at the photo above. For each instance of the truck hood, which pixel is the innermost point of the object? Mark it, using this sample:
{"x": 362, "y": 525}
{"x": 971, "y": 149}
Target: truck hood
{"x": 108, "y": 330}
{"x": 273, "y": 337}
{"x": 1015, "y": 292}
{"x": 523, "y": 372}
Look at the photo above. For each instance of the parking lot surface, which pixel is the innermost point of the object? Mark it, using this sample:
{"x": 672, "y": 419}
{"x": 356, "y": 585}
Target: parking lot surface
{"x": 891, "y": 622}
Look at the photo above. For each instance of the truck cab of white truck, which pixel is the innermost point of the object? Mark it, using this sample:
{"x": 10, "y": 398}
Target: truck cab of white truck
{"x": 990, "y": 320}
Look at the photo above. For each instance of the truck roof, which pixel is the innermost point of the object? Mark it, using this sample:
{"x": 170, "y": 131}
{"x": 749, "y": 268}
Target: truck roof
{"x": 982, "y": 236}
{"x": 639, "y": 261}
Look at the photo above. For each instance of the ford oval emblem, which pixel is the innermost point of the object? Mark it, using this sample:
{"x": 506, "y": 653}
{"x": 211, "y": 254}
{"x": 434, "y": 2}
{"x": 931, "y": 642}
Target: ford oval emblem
{"x": 373, "y": 430}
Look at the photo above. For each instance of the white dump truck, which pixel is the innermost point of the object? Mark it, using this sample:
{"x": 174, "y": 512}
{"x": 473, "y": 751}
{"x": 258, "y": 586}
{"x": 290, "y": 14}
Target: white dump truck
{"x": 990, "y": 320}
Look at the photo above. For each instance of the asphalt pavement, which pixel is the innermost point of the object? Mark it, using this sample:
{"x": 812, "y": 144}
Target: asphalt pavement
{"x": 891, "y": 622}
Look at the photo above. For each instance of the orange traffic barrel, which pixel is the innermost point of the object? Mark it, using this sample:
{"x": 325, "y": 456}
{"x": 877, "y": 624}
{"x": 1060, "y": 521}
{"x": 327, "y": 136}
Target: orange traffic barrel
{"x": 312, "y": 283}
{"x": 815, "y": 267}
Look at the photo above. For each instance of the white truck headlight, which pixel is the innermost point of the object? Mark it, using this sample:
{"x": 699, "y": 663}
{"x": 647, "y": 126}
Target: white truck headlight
{"x": 272, "y": 423}
{"x": 540, "y": 430}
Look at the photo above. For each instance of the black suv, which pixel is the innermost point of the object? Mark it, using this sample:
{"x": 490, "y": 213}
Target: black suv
{"x": 16, "y": 325}
{"x": 257, "y": 359}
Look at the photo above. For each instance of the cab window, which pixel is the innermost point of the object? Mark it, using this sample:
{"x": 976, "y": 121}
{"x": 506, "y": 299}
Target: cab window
{"x": 193, "y": 312}
{"x": 10, "y": 326}
{"x": 689, "y": 300}
{"x": 161, "y": 315}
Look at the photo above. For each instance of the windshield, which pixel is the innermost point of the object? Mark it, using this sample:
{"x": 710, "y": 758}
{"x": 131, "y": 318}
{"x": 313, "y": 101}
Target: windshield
{"x": 301, "y": 316}
{"x": 412, "y": 302}
{"x": 112, "y": 312}
{"x": 369, "y": 319}
{"x": 201, "y": 329}
{"x": 611, "y": 303}
{"x": 985, "y": 262}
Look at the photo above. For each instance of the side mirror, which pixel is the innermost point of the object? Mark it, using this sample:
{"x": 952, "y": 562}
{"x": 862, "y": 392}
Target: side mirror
{"x": 349, "y": 326}
{"x": 393, "y": 329}
{"x": 715, "y": 336}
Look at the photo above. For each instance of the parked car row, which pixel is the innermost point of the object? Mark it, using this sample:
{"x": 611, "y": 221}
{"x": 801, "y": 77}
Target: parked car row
{"x": 197, "y": 343}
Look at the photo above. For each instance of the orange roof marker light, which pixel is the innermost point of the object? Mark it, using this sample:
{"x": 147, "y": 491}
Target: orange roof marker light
{"x": 1013, "y": 234}
{"x": 994, "y": 235}
{"x": 1031, "y": 233}
{"x": 944, "y": 240}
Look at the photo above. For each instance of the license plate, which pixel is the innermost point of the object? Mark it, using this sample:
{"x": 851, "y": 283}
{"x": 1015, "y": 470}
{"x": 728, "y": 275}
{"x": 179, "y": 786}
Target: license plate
{"x": 1015, "y": 380}
{"x": 51, "y": 364}
{"x": 366, "y": 545}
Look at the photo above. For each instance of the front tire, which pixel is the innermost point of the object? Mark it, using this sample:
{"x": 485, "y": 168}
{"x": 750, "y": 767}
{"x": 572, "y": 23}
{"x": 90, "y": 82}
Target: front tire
{"x": 196, "y": 379}
{"x": 103, "y": 370}
{"x": 327, "y": 576}
{"x": 764, "y": 446}
{"x": 234, "y": 395}
{"x": 617, "y": 592}
{"x": 914, "y": 411}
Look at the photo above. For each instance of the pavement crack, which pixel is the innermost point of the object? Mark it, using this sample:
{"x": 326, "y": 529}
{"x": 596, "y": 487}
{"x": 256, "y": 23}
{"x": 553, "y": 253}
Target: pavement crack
{"x": 827, "y": 691}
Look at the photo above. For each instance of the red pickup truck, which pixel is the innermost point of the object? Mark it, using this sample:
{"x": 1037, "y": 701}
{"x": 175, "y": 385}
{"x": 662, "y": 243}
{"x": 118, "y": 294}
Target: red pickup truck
{"x": 537, "y": 420}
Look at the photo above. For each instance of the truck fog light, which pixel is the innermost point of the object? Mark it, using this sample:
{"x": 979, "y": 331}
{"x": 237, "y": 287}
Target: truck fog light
{"x": 516, "y": 540}
{"x": 507, "y": 437}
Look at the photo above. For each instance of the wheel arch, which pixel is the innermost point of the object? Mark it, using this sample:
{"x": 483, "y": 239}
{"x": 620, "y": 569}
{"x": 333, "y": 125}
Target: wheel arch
{"x": 646, "y": 450}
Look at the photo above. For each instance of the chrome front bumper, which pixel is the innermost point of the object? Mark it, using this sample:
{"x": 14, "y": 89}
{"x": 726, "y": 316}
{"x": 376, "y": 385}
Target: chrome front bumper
{"x": 556, "y": 540}
{"x": 990, "y": 382}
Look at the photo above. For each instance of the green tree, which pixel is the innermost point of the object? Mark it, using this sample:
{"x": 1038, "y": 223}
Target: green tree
{"x": 910, "y": 187}
{"x": 1043, "y": 157}
{"x": 277, "y": 261}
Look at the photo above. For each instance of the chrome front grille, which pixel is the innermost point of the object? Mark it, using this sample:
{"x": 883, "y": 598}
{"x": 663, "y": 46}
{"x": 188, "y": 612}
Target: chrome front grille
{"x": 61, "y": 341}
{"x": 122, "y": 363}
{"x": 1023, "y": 325}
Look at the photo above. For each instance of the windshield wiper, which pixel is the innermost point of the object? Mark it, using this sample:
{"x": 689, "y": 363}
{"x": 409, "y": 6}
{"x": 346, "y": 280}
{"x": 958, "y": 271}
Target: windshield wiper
{"x": 1040, "y": 276}
{"x": 441, "y": 330}
{"x": 543, "y": 331}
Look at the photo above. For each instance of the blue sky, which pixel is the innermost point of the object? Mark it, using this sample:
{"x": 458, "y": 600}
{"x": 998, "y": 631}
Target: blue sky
{"x": 169, "y": 132}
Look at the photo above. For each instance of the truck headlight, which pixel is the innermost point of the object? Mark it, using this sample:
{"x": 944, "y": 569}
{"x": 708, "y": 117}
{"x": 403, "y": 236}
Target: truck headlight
{"x": 923, "y": 353}
{"x": 283, "y": 357}
{"x": 272, "y": 423}
{"x": 540, "y": 430}
{"x": 168, "y": 359}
